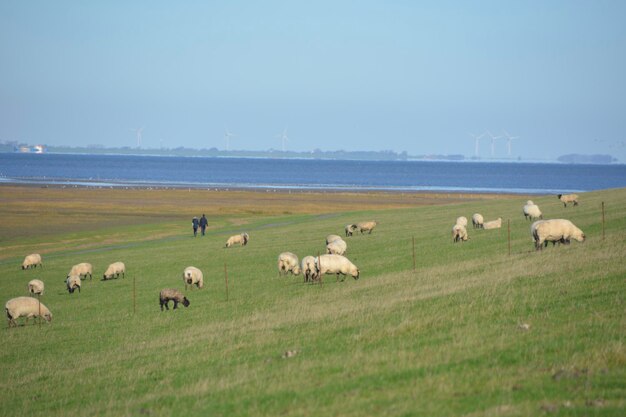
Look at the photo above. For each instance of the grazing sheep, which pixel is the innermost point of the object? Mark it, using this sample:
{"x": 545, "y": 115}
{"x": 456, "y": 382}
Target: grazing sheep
{"x": 337, "y": 247}
{"x": 531, "y": 211}
{"x": 35, "y": 286}
{"x": 556, "y": 230}
{"x": 241, "y": 239}
{"x": 459, "y": 233}
{"x": 72, "y": 282}
{"x": 332, "y": 238}
{"x": 568, "y": 198}
{"x": 26, "y": 307}
{"x": 115, "y": 269}
{"x": 350, "y": 228}
{"x": 170, "y": 294}
{"x": 309, "y": 269}
{"x": 477, "y": 221}
{"x": 533, "y": 227}
{"x": 192, "y": 275}
{"x": 31, "y": 261}
{"x": 494, "y": 224}
{"x": 82, "y": 270}
{"x": 336, "y": 264}
{"x": 462, "y": 221}
{"x": 366, "y": 226}
{"x": 288, "y": 262}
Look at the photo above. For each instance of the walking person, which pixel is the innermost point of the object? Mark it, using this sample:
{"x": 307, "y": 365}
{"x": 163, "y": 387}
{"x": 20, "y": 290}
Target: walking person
{"x": 203, "y": 224}
{"x": 194, "y": 223}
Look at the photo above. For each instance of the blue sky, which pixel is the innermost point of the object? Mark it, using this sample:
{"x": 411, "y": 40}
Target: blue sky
{"x": 355, "y": 75}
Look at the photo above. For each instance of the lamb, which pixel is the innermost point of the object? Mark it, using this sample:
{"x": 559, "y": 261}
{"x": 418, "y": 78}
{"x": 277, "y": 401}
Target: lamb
{"x": 288, "y": 262}
{"x": 332, "y": 238}
{"x": 337, "y": 247}
{"x": 241, "y": 239}
{"x": 170, "y": 294}
{"x": 462, "y": 221}
{"x": 336, "y": 264}
{"x": 31, "y": 261}
{"x": 531, "y": 211}
{"x": 193, "y": 276}
{"x": 477, "y": 221}
{"x": 115, "y": 269}
{"x": 26, "y": 307}
{"x": 366, "y": 226}
{"x": 568, "y": 198}
{"x": 82, "y": 270}
{"x": 72, "y": 282}
{"x": 494, "y": 224}
{"x": 350, "y": 228}
{"x": 35, "y": 286}
{"x": 556, "y": 230}
{"x": 459, "y": 233}
{"x": 309, "y": 269}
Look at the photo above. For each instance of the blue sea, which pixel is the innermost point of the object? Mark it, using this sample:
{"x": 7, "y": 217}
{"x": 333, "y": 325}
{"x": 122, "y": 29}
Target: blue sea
{"x": 227, "y": 173}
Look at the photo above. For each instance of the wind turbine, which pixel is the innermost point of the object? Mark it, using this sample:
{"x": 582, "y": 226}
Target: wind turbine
{"x": 227, "y": 136}
{"x": 493, "y": 143}
{"x": 138, "y": 132}
{"x": 283, "y": 137}
{"x": 476, "y": 139}
{"x": 509, "y": 138}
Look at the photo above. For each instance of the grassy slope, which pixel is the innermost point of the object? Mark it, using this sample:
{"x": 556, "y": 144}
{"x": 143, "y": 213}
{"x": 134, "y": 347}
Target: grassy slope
{"x": 443, "y": 340}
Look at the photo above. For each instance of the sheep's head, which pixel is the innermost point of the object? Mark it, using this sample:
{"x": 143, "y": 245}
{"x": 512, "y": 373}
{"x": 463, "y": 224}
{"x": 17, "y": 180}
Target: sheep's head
{"x": 357, "y": 274}
{"x": 47, "y": 316}
{"x": 186, "y": 302}
{"x": 189, "y": 281}
{"x": 296, "y": 270}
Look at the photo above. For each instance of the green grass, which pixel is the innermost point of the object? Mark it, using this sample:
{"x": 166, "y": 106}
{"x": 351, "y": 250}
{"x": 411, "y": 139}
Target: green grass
{"x": 444, "y": 339}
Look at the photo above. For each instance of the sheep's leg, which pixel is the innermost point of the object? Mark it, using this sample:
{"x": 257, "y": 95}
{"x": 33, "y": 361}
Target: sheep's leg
{"x": 175, "y": 304}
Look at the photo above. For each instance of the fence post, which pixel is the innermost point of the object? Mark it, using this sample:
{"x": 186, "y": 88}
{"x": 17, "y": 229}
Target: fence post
{"x": 226, "y": 280}
{"x": 319, "y": 269}
{"x": 603, "y": 220}
{"x": 134, "y": 296}
{"x": 413, "y": 240}
{"x": 508, "y": 227}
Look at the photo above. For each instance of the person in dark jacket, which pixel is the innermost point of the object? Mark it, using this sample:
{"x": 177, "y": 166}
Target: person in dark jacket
{"x": 203, "y": 224}
{"x": 194, "y": 223}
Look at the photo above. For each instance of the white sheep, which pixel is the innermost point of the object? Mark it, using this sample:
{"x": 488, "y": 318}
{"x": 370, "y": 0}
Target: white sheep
{"x": 493, "y": 224}
{"x": 72, "y": 282}
{"x": 35, "y": 286}
{"x": 459, "y": 233}
{"x": 82, "y": 270}
{"x": 477, "y": 221}
{"x": 462, "y": 221}
{"x": 309, "y": 268}
{"x": 332, "y": 238}
{"x": 350, "y": 228}
{"x": 337, "y": 247}
{"x": 555, "y": 230}
{"x": 366, "y": 226}
{"x": 531, "y": 211}
{"x": 26, "y": 307}
{"x": 114, "y": 270}
{"x": 31, "y": 261}
{"x": 170, "y": 294}
{"x": 288, "y": 262}
{"x": 241, "y": 239}
{"x": 568, "y": 198}
{"x": 336, "y": 264}
{"x": 193, "y": 276}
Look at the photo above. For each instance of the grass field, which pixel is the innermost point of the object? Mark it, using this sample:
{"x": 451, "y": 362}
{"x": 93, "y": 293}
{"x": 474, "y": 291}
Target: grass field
{"x": 449, "y": 338}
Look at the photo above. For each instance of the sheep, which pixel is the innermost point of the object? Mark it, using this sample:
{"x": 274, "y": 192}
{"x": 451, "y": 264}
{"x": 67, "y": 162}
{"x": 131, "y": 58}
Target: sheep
{"x": 191, "y": 276}
{"x": 462, "y": 221}
{"x": 72, "y": 282}
{"x": 26, "y": 307}
{"x": 533, "y": 227}
{"x": 531, "y": 211}
{"x": 337, "y": 247}
{"x": 568, "y": 198}
{"x": 170, "y": 294}
{"x": 82, "y": 270}
{"x": 288, "y": 262}
{"x": 31, "y": 261}
{"x": 555, "y": 230}
{"x": 459, "y": 233}
{"x": 477, "y": 221}
{"x": 336, "y": 264}
{"x": 309, "y": 268}
{"x": 350, "y": 228}
{"x": 332, "y": 238}
{"x": 115, "y": 269}
{"x": 35, "y": 287}
{"x": 366, "y": 226}
{"x": 493, "y": 224}
{"x": 241, "y": 239}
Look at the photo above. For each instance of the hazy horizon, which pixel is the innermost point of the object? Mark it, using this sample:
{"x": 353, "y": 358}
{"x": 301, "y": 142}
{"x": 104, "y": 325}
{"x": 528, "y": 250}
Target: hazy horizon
{"x": 359, "y": 76}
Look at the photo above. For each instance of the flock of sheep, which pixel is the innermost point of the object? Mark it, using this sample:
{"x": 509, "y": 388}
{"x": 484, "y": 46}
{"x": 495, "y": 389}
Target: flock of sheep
{"x": 312, "y": 267}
